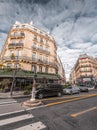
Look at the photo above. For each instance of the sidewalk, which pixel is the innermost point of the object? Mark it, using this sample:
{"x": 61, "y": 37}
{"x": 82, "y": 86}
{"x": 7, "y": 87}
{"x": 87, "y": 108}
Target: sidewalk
{"x": 16, "y": 94}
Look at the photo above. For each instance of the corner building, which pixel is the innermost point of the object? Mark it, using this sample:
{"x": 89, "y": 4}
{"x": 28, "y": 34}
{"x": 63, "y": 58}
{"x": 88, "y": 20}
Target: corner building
{"x": 31, "y": 49}
{"x": 84, "y": 71}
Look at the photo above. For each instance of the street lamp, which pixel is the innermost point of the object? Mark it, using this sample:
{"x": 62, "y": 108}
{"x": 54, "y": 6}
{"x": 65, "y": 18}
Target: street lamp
{"x": 14, "y": 75}
{"x": 32, "y": 102}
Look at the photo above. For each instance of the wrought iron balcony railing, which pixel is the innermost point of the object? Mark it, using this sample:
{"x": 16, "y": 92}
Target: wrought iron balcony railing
{"x": 18, "y": 35}
{"x": 30, "y": 60}
{"x": 40, "y": 49}
{"x": 14, "y": 45}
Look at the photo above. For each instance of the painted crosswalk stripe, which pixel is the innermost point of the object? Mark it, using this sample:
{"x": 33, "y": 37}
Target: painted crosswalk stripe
{"x": 15, "y": 119}
{"x": 9, "y": 102}
{"x": 35, "y": 126}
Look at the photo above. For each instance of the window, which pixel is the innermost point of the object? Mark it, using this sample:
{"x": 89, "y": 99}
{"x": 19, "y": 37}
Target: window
{"x": 40, "y": 68}
{"x": 34, "y": 56}
{"x": 15, "y": 33}
{"x": 19, "y": 52}
{"x": 34, "y": 68}
{"x": 13, "y": 41}
{"x": 40, "y": 57}
{"x": 35, "y": 37}
{"x": 17, "y": 26}
{"x": 16, "y": 65}
{"x": 46, "y": 59}
{"x": 34, "y": 45}
{"x": 41, "y": 32}
{"x": 41, "y": 40}
{"x": 20, "y": 41}
{"x": 47, "y": 42}
{"x": 22, "y": 34}
{"x": 23, "y": 25}
{"x": 35, "y": 29}
{"x": 8, "y": 65}
{"x": 46, "y": 69}
{"x": 46, "y": 49}
{"x": 41, "y": 47}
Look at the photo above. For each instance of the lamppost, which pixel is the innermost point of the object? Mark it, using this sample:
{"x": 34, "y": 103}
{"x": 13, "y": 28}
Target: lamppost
{"x": 34, "y": 85}
{"x": 33, "y": 102}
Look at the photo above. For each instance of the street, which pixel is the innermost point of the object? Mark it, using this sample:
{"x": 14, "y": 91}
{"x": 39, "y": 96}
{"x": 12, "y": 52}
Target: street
{"x": 69, "y": 112}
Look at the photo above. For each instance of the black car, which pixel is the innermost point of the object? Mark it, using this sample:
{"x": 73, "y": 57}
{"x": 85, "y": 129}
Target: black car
{"x": 49, "y": 90}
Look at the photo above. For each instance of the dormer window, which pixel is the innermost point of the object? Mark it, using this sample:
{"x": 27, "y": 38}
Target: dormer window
{"x": 17, "y": 26}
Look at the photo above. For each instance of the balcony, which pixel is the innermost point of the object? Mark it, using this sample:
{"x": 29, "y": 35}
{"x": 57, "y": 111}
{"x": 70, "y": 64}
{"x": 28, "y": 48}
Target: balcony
{"x": 15, "y": 45}
{"x": 34, "y": 47}
{"x": 40, "y": 50}
{"x": 17, "y": 36}
{"x": 85, "y": 71}
{"x": 30, "y": 60}
{"x": 43, "y": 51}
{"x": 85, "y": 65}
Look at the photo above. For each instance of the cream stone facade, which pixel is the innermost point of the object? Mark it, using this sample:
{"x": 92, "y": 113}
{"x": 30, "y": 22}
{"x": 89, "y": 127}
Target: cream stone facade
{"x": 31, "y": 49}
{"x": 61, "y": 70}
{"x": 85, "y": 70}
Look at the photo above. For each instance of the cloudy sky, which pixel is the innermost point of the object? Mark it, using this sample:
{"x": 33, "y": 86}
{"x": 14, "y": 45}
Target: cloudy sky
{"x": 73, "y": 23}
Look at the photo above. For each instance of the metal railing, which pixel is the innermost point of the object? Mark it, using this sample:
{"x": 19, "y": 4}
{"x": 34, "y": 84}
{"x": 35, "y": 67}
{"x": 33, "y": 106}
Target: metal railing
{"x": 40, "y": 49}
{"x": 13, "y": 45}
{"x": 18, "y": 35}
{"x": 30, "y": 59}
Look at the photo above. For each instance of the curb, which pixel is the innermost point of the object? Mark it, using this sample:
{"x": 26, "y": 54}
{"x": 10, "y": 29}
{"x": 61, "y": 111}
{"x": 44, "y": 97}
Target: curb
{"x": 29, "y": 103}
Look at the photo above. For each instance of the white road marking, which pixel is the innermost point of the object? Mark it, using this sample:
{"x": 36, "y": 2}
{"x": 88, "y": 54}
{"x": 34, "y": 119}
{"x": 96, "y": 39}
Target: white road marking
{"x": 15, "y": 119}
{"x": 14, "y": 112}
{"x": 35, "y": 126}
{"x": 8, "y": 102}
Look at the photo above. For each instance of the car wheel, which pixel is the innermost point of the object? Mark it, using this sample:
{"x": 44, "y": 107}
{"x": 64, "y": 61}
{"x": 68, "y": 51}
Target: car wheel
{"x": 59, "y": 94}
{"x": 40, "y": 96}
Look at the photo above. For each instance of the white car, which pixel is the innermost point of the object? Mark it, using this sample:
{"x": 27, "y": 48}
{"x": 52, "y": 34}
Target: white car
{"x": 91, "y": 87}
{"x": 71, "y": 90}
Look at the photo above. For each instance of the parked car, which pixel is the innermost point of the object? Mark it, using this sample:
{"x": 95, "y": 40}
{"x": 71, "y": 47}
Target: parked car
{"x": 91, "y": 88}
{"x": 49, "y": 90}
{"x": 83, "y": 89}
{"x": 71, "y": 90}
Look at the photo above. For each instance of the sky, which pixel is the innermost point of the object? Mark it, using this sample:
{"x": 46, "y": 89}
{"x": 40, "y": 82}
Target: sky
{"x": 72, "y": 23}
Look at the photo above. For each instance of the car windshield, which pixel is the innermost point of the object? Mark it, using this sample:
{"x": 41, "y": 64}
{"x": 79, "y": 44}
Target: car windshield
{"x": 82, "y": 86}
{"x": 70, "y": 87}
{"x": 39, "y": 86}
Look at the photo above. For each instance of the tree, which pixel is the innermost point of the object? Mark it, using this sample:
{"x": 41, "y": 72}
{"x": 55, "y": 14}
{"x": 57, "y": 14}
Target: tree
{"x": 12, "y": 56}
{"x": 5, "y": 83}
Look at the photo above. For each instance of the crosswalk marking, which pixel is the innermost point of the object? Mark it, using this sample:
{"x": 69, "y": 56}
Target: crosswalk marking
{"x": 35, "y": 126}
{"x": 15, "y": 119}
{"x": 7, "y": 101}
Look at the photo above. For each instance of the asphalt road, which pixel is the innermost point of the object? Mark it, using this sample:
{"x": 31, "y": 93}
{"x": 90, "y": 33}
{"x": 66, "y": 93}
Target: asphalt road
{"x": 76, "y": 115}
{"x": 66, "y": 113}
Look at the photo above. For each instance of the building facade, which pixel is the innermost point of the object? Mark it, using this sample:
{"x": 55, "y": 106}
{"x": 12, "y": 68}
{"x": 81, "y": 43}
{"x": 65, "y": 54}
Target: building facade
{"x": 61, "y": 70}
{"x": 84, "y": 71}
{"x": 31, "y": 49}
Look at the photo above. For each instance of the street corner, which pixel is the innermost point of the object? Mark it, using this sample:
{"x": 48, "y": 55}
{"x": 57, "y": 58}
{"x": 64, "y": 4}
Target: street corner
{"x": 32, "y": 103}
